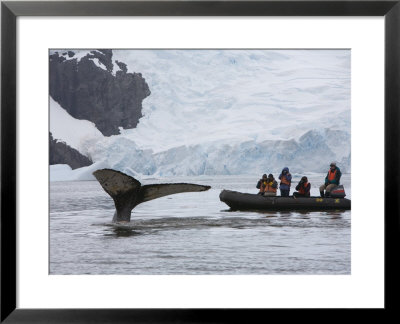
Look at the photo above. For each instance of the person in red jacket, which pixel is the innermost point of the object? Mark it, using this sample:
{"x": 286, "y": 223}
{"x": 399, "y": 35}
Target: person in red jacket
{"x": 303, "y": 188}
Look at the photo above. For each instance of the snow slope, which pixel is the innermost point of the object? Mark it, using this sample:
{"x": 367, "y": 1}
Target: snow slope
{"x": 227, "y": 112}
{"x": 79, "y": 134}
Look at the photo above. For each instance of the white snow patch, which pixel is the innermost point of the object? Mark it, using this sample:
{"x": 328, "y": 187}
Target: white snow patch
{"x": 63, "y": 172}
{"x": 78, "y": 53}
{"x": 116, "y": 67}
{"x": 97, "y": 62}
{"x": 79, "y": 134}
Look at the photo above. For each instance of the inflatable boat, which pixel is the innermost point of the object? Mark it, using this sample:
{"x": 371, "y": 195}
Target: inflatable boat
{"x": 245, "y": 201}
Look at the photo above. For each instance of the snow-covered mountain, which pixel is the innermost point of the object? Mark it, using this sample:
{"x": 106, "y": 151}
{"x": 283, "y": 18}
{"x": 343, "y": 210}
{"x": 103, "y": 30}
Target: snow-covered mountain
{"x": 221, "y": 112}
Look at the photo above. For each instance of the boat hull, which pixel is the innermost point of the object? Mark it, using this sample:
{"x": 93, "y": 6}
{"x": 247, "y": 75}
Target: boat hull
{"x": 245, "y": 201}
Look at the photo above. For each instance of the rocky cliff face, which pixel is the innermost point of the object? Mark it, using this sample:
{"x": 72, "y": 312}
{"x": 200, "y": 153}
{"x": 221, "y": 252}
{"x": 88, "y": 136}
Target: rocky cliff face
{"x": 61, "y": 153}
{"x": 89, "y": 88}
{"x": 93, "y": 87}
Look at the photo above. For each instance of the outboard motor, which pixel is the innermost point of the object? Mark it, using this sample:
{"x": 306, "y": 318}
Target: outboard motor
{"x": 338, "y": 192}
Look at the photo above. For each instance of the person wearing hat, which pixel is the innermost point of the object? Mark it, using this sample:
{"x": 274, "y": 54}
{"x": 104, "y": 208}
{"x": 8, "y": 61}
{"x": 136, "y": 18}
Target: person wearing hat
{"x": 261, "y": 184}
{"x": 286, "y": 180}
{"x": 303, "y": 188}
{"x": 332, "y": 180}
{"x": 271, "y": 186}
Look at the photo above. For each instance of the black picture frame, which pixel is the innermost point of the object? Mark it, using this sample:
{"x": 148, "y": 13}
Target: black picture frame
{"x": 11, "y": 10}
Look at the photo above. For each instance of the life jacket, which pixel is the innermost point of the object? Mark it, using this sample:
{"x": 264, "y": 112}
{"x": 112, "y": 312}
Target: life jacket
{"x": 332, "y": 175}
{"x": 302, "y": 189}
{"x": 262, "y": 186}
{"x": 284, "y": 180}
{"x": 269, "y": 188}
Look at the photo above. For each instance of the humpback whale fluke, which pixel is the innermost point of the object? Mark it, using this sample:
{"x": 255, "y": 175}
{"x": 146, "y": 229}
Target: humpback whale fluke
{"x": 127, "y": 192}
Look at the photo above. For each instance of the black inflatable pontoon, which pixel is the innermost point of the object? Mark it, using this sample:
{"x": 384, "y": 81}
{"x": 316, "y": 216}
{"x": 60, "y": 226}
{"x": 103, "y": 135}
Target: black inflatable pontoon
{"x": 245, "y": 201}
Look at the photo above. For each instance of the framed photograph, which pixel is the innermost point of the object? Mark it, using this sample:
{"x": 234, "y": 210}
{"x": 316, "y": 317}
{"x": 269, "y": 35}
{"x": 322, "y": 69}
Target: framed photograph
{"x": 193, "y": 161}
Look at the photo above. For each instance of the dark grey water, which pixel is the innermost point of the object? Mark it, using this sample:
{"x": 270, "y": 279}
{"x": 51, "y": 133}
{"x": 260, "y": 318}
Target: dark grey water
{"x": 193, "y": 234}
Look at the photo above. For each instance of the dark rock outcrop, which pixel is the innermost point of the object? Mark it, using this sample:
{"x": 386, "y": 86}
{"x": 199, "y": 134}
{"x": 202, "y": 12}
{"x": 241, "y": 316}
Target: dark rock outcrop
{"x": 61, "y": 153}
{"x": 87, "y": 91}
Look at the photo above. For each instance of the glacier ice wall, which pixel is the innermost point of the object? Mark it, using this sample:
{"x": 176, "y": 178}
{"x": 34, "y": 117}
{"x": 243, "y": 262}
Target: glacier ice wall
{"x": 233, "y": 112}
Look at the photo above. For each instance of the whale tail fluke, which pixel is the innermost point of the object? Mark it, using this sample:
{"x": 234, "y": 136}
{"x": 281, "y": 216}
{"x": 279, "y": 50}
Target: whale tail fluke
{"x": 153, "y": 191}
{"x": 127, "y": 192}
{"x": 115, "y": 182}
{"x": 122, "y": 188}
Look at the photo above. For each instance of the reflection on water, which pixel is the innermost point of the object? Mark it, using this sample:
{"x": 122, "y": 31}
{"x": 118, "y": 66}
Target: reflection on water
{"x": 192, "y": 233}
{"x": 119, "y": 231}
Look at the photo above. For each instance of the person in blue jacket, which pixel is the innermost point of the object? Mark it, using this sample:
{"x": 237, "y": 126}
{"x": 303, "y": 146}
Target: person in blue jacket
{"x": 286, "y": 180}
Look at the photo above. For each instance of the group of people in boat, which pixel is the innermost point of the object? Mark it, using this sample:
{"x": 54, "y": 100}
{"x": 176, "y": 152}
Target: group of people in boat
{"x": 268, "y": 186}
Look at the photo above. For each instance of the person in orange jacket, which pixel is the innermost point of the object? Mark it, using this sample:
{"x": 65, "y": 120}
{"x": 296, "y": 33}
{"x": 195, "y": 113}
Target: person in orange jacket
{"x": 286, "y": 180}
{"x": 332, "y": 180}
{"x": 303, "y": 188}
{"x": 271, "y": 186}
